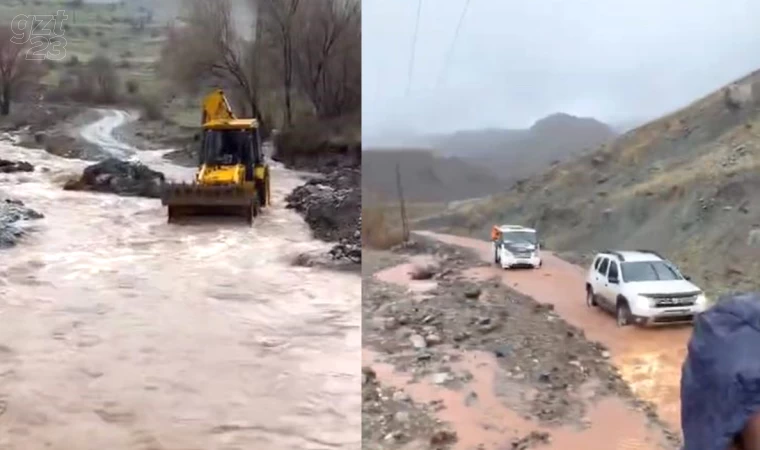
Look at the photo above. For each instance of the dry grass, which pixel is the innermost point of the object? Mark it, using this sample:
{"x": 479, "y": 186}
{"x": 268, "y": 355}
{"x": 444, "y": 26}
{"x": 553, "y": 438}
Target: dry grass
{"x": 379, "y": 231}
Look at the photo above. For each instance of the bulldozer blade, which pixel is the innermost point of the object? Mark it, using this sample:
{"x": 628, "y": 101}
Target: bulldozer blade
{"x": 199, "y": 195}
{"x": 184, "y": 200}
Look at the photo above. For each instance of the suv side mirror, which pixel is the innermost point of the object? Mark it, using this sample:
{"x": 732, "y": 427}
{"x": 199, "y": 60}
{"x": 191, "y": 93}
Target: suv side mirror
{"x": 687, "y": 278}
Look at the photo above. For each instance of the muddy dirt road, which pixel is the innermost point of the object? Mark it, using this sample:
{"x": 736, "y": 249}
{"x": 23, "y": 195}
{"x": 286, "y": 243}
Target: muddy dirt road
{"x": 120, "y": 331}
{"x": 648, "y": 359}
{"x": 459, "y": 360}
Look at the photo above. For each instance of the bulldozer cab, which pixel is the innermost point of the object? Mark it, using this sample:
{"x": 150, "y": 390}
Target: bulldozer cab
{"x": 230, "y": 147}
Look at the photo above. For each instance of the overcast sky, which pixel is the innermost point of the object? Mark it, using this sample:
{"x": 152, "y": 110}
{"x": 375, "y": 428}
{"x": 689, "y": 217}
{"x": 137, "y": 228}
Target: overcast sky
{"x": 517, "y": 61}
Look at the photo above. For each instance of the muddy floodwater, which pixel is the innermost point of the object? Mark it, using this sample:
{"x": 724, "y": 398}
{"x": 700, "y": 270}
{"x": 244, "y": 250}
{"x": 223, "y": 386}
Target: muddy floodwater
{"x": 120, "y": 331}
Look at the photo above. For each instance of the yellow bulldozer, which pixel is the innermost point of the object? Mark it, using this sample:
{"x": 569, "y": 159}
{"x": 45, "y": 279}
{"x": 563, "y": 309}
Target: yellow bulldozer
{"x": 232, "y": 177}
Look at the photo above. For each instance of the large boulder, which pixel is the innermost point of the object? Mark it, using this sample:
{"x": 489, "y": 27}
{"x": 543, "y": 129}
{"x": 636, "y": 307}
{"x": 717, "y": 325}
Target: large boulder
{"x": 15, "y": 166}
{"x": 119, "y": 177}
{"x": 13, "y": 216}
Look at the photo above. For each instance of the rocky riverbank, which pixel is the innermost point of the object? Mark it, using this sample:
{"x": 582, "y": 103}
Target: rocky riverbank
{"x": 331, "y": 201}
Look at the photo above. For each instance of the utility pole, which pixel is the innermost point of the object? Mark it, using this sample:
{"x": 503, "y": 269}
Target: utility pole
{"x": 402, "y": 206}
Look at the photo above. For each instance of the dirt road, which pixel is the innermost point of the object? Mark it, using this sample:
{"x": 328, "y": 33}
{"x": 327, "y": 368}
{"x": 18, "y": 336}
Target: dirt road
{"x": 648, "y": 359}
{"x": 120, "y": 331}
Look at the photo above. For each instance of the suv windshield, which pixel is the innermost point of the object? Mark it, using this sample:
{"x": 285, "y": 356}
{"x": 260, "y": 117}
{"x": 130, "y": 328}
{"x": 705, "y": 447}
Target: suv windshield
{"x": 649, "y": 271}
{"x": 528, "y": 237}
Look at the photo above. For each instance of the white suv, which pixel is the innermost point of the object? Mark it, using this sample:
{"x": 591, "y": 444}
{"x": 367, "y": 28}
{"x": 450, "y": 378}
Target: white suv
{"x": 516, "y": 246}
{"x": 642, "y": 287}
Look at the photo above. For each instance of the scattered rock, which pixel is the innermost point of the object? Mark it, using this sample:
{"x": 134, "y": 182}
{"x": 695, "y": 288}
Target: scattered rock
{"x": 401, "y": 396}
{"x": 433, "y": 339}
{"x": 119, "y": 177}
{"x": 443, "y": 437}
{"x": 418, "y": 341}
{"x": 331, "y": 205}
{"x": 441, "y": 378}
{"x": 422, "y": 272}
{"x": 534, "y": 438}
{"x": 15, "y": 166}
{"x": 13, "y": 218}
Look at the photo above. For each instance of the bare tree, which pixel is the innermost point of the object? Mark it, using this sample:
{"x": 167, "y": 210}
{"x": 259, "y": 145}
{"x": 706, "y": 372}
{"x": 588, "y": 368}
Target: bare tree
{"x": 328, "y": 55}
{"x": 16, "y": 72}
{"x": 105, "y": 78}
{"x": 207, "y": 48}
{"x": 276, "y": 21}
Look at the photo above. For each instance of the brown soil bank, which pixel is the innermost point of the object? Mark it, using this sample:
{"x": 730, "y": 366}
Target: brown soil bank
{"x": 453, "y": 360}
{"x": 687, "y": 185}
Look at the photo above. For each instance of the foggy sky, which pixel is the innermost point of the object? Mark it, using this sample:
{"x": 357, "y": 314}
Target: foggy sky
{"x": 518, "y": 61}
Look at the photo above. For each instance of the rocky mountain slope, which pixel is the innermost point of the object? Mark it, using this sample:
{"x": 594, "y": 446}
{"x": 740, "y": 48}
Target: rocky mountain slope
{"x": 425, "y": 176}
{"x": 687, "y": 184}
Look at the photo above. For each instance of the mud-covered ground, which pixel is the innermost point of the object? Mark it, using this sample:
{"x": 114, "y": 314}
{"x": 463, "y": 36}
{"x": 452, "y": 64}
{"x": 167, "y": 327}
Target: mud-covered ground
{"x": 426, "y": 335}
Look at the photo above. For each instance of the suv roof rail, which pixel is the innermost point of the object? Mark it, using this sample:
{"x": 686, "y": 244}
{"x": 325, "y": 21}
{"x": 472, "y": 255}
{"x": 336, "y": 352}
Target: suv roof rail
{"x": 616, "y": 254}
{"x": 652, "y": 252}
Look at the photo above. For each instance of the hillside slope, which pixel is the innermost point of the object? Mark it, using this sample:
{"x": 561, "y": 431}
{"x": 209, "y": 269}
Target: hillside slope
{"x": 425, "y": 177}
{"x": 687, "y": 184}
{"x": 515, "y": 154}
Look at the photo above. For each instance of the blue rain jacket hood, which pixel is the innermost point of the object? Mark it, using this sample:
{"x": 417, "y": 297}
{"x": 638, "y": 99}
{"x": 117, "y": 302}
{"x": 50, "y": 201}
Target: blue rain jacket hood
{"x": 720, "y": 379}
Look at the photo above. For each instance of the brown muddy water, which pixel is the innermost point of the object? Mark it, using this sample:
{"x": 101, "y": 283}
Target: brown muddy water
{"x": 120, "y": 331}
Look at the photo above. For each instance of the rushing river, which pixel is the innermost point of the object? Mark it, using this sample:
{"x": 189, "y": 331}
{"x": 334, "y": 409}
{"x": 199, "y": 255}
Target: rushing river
{"x": 120, "y": 331}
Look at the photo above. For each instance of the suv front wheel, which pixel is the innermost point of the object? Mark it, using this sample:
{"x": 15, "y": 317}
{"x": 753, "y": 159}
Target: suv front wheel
{"x": 623, "y": 313}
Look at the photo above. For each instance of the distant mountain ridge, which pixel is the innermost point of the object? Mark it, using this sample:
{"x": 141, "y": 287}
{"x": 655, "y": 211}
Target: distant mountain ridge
{"x": 425, "y": 176}
{"x": 513, "y": 154}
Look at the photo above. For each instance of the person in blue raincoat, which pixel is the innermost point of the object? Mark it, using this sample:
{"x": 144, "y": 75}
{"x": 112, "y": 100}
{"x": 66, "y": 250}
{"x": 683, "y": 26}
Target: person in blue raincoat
{"x": 720, "y": 378}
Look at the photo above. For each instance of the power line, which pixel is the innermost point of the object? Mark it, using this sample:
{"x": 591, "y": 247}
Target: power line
{"x": 447, "y": 61}
{"x": 414, "y": 47}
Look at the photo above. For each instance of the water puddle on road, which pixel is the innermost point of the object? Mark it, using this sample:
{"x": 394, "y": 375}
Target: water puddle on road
{"x": 649, "y": 359}
{"x": 402, "y": 274}
{"x": 481, "y": 420}
{"x": 479, "y": 411}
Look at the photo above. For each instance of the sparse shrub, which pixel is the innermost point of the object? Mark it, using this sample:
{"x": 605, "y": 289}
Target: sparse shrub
{"x": 85, "y": 31}
{"x": 377, "y": 231}
{"x": 151, "y": 108}
{"x": 133, "y": 86}
{"x": 104, "y": 44}
{"x": 73, "y": 61}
